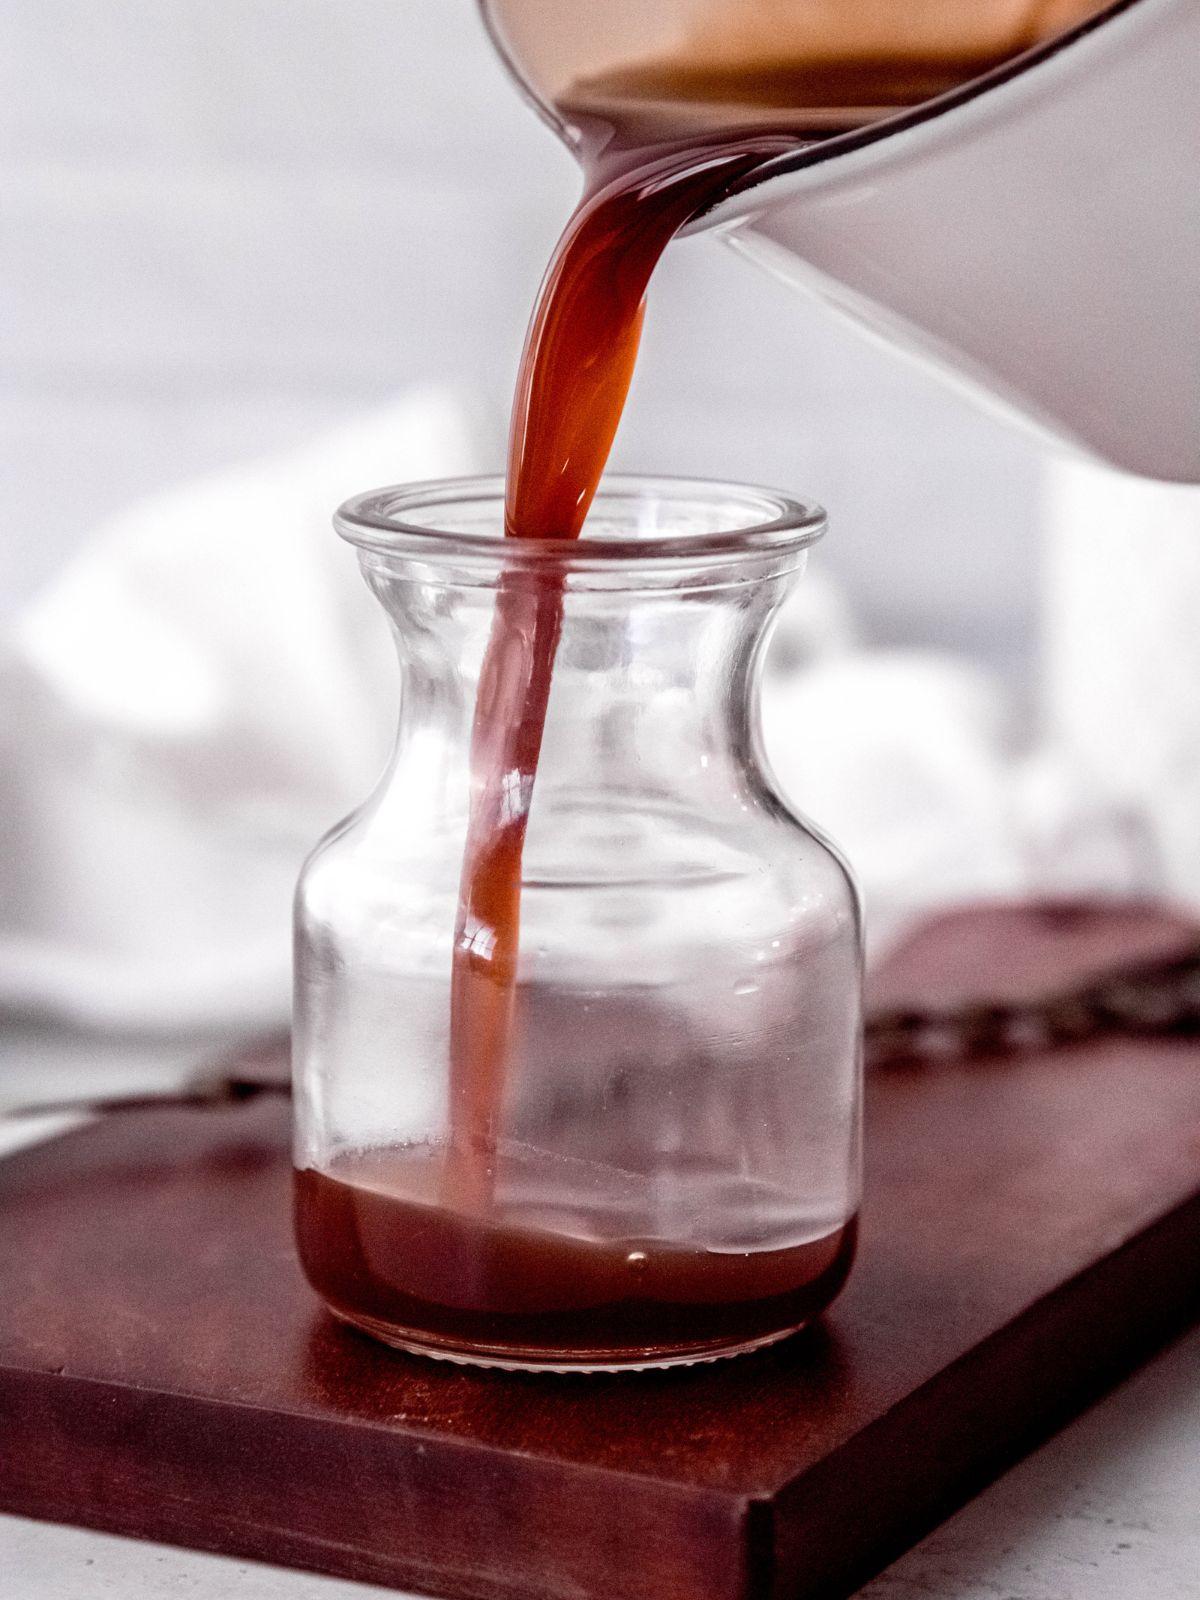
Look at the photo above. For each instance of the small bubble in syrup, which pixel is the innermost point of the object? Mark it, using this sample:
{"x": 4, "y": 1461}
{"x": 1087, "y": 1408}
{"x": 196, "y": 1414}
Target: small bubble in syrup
{"x": 636, "y": 1258}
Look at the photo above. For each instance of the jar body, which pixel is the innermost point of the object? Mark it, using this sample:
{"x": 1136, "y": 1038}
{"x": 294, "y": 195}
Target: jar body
{"x": 675, "y": 1168}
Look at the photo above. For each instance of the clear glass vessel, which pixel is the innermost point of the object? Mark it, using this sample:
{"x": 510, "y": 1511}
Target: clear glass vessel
{"x": 669, "y": 1169}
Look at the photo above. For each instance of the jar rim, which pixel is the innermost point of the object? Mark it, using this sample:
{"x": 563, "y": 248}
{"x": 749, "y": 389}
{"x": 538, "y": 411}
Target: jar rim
{"x": 412, "y": 520}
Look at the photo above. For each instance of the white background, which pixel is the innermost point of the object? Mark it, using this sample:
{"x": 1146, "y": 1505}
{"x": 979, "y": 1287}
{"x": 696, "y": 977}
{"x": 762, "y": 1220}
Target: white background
{"x": 225, "y": 224}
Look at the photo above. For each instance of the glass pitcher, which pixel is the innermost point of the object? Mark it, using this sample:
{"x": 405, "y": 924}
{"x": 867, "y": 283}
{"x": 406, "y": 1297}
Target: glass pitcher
{"x": 968, "y": 181}
{"x": 675, "y": 1169}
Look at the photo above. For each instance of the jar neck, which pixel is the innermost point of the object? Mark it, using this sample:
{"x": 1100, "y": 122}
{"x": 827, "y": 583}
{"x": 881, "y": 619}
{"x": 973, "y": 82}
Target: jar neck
{"x": 654, "y": 692}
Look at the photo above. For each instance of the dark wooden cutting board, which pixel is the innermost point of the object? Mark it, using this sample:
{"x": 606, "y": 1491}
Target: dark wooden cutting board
{"x": 1032, "y": 1229}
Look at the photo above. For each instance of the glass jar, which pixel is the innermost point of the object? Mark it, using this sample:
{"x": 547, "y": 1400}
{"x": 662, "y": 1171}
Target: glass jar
{"x": 650, "y": 1154}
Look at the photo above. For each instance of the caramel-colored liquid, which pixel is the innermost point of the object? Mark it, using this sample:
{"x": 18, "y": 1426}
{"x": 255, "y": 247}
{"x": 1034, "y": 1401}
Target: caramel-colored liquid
{"x": 574, "y": 377}
{"x": 810, "y": 67}
{"x": 661, "y": 141}
{"x": 426, "y": 1243}
{"x": 665, "y": 99}
{"x": 540, "y": 1280}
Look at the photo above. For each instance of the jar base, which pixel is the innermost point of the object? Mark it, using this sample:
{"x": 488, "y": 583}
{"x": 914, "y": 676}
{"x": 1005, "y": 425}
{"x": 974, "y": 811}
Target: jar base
{"x": 498, "y": 1288}
{"x": 554, "y": 1362}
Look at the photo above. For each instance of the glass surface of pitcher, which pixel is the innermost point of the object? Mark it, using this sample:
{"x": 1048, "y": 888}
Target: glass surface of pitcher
{"x": 674, "y": 1172}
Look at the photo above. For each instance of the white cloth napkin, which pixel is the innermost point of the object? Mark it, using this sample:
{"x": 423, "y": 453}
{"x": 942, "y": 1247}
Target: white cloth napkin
{"x": 202, "y": 693}
{"x": 904, "y": 757}
{"x": 1122, "y": 660}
